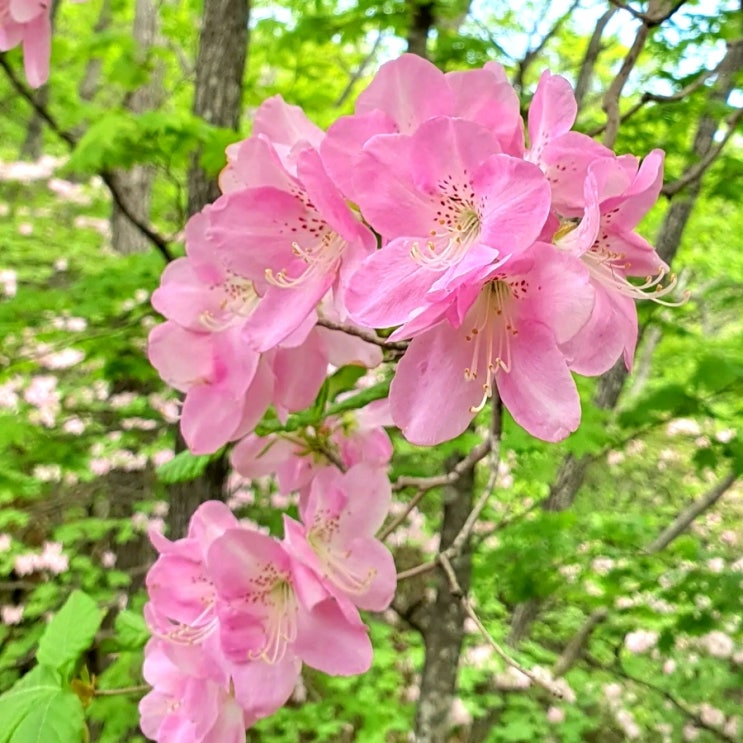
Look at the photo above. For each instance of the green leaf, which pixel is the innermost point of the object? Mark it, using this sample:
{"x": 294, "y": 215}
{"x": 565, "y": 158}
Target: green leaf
{"x": 185, "y": 467}
{"x": 344, "y": 379}
{"x": 131, "y": 631}
{"x": 58, "y": 717}
{"x": 70, "y": 633}
{"x": 37, "y": 685}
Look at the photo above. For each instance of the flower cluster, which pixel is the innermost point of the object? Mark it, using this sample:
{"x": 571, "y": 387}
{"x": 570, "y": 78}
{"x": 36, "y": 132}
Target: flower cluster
{"x": 235, "y": 613}
{"x": 507, "y": 266}
{"x": 501, "y": 264}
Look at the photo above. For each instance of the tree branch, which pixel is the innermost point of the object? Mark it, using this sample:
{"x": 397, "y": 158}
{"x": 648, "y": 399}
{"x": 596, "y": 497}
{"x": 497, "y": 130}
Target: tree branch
{"x": 533, "y": 53}
{"x": 592, "y": 53}
{"x": 577, "y": 645}
{"x": 367, "y": 335}
{"x": 648, "y": 97}
{"x": 618, "y": 671}
{"x": 455, "y": 548}
{"x": 696, "y": 171}
{"x": 157, "y": 240}
{"x": 684, "y": 519}
{"x": 457, "y": 591}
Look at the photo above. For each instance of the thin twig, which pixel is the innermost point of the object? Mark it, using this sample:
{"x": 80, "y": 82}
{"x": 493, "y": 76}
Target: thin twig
{"x": 456, "y": 590}
{"x": 124, "y": 690}
{"x": 649, "y": 19}
{"x": 448, "y": 478}
{"x": 367, "y": 335}
{"x": 617, "y": 670}
{"x": 648, "y": 97}
{"x": 412, "y": 503}
{"x": 457, "y": 545}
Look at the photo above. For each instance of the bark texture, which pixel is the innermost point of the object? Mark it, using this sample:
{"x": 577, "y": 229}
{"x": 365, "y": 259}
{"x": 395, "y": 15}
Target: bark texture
{"x": 220, "y": 69}
{"x": 422, "y": 20}
{"x": 444, "y": 630}
{"x": 135, "y": 184}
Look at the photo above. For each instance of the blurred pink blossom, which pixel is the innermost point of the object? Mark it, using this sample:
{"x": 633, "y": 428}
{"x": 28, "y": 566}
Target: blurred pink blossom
{"x": 9, "y": 281}
{"x": 555, "y": 715}
{"x": 640, "y": 641}
{"x": 11, "y": 614}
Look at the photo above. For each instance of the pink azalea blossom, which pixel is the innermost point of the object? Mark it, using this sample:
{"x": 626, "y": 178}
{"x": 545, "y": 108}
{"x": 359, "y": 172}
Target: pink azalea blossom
{"x": 293, "y": 237}
{"x": 450, "y": 205}
{"x": 27, "y": 22}
{"x": 186, "y": 709}
{"x": 406, "y": 93}
{"x": 340, "y": 516}
{"x": 273, "y": 609}
{"x": 510, "y": 336}
{"x": 618, "y": 194}
{"x": 295, "y": 459}
{"x": 563, "y": 155}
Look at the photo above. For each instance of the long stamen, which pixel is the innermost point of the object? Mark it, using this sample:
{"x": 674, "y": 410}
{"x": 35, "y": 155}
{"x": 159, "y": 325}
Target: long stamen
{"x": 460, "y": 230}
{"x": 196, "y": 631}
{"x": 319, "y": 258}
{"x": 494, "y": 325}
{"x": 238, "y": 302}
{"x": 607, "y": 268}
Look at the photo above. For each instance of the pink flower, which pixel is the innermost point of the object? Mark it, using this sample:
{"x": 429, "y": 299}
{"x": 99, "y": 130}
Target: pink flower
{"x": 510, "y": 335}
{"x": 273, "y": 609}
{"x": 186, "y": 708}
{"x": 293, "y": 237}
{"x": 407, "y": 92}
{"x": 10, "y": 615}
{"x": 563, "y": 155}
{"x": 215, "y": 370}
{"x": 618, "y": 193}
{"x": 340, "y": 516}
{"x": 640, "y": 641}
{"x": 450, "y": 205}
{"x": 27, "y": 22}
{"x": 295, "y": 460}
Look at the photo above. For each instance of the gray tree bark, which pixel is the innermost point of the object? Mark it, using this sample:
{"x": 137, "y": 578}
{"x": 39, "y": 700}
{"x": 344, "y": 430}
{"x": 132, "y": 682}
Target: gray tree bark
{"x": 220, "y": 68}
{"x": 135, "y": 184}
{"x": 422, "y": 20}
{"x": 444, "y": 628}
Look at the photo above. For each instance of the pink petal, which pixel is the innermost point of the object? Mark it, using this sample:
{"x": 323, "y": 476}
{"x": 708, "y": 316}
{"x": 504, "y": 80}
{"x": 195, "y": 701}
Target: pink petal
{"x": 37, "y": 47}
{"x": 539, "y": 392}
{"x": 551, "y": 113}
{"x": 432, "y": 369}
{"x": 410, "y": 89}
{"x": 328, "y": 641}
{"x": 261, "y": 688}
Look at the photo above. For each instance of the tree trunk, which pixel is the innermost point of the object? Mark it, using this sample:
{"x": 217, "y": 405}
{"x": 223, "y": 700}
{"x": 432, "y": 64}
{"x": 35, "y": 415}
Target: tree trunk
{"x": 223, "y": 47}
{"x": 220, "y": 68}
{"x": 444, "y": 630}
{"x": 422, "y": 19}
{"x": 135, "y": 184}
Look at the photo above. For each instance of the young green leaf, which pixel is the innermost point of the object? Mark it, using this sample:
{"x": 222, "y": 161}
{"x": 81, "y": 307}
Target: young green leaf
{"x": 70, "y": 632}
